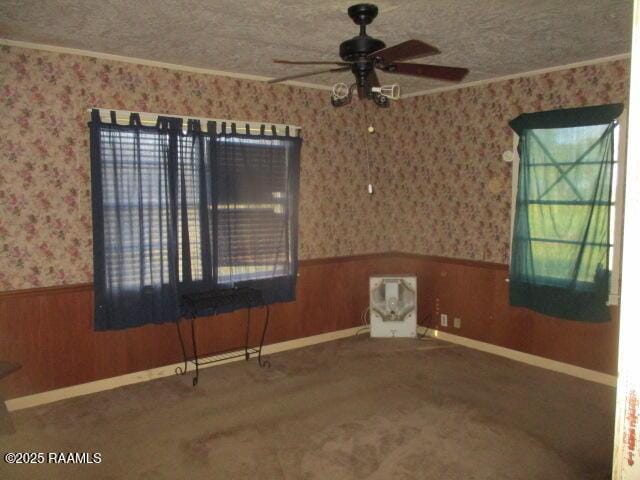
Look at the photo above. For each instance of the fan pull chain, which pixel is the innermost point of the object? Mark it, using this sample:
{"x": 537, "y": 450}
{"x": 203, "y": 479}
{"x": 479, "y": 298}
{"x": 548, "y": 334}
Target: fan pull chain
{"x": 371, "y": 131}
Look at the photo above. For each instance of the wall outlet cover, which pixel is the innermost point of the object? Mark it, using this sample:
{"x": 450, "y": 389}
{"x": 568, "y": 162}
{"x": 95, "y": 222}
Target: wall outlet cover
{"x": 457, "y": 322}
{"x": 443, "y": 320}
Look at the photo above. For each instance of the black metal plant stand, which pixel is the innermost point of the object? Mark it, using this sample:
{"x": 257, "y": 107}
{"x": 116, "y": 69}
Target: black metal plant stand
{"x": 210, "y": 303}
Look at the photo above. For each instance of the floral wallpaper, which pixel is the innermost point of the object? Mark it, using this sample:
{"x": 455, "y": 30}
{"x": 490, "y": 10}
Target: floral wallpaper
{"x": 45, "y": 200}
{"x": 441, "y": 186}
{"x": 447, "y": 189}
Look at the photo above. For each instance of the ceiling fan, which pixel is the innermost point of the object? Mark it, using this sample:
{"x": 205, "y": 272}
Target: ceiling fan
{"x": 362, "y": 54}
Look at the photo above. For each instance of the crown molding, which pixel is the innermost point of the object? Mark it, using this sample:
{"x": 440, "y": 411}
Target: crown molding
{"x": 530, "y": 73}
{"x": 152, "y": 63}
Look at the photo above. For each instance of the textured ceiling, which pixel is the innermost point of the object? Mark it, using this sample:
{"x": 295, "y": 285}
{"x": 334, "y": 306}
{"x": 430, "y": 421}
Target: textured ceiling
{"x": 490, "y": 37}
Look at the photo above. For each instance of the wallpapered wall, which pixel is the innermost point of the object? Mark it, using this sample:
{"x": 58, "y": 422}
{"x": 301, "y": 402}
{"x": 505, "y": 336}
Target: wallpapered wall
{"x": 45, "y": 208}
{"x": 448, "y": 191}
{"x": 441, "y": 186}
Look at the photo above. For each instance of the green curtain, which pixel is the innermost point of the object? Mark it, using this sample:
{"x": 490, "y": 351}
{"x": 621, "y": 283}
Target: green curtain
{"x": 560, "y": 248}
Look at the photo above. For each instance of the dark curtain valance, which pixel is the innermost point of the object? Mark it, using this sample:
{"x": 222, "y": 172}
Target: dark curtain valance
{"x": 177, "y": 210}
{"x": 567, "y": 117}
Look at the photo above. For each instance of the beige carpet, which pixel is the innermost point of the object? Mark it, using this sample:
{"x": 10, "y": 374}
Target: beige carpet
{"x": 355, "y": 408}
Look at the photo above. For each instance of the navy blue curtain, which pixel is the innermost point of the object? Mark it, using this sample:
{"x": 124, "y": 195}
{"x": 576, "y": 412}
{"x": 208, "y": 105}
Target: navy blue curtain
{"x": 178, "y": 210}
{"x": 256, "y": 190}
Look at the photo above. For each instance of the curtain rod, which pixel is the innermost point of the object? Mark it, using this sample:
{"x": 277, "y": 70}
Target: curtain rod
{"x": 148, "y": 118}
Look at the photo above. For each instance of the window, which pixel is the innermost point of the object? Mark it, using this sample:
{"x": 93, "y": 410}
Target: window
{"x": 135, "y": 202}
{"x": 617, "y": 208}
{"x": 177, "y": 209}
{"x": 616, "y": 217}
{"x": 253, "y": 239}
{"x": 189, "y": 192}
{"x": 564, "y": 253}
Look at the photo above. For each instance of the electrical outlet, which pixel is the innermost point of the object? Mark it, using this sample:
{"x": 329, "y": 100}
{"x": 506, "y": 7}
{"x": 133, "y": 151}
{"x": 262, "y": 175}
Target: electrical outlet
{"x": 457, "y": 322}
{"x": 443, "y": 320}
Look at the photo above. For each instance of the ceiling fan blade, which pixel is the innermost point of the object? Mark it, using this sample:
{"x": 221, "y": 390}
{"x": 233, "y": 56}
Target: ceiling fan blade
{"x": 308, "y": 74}
{"x": 451, "y": 74}
{"x": 293, "y": 62}
{"x": 404, "y": 51}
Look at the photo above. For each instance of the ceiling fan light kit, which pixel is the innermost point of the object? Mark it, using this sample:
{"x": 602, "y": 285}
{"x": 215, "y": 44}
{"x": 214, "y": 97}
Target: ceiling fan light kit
{"x": 392, "y": 92}
{"x": 363, "y": 54}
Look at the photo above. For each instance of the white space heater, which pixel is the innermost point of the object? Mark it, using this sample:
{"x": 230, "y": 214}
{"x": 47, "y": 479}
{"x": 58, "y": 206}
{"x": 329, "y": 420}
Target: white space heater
{"x": 393, "y": 305}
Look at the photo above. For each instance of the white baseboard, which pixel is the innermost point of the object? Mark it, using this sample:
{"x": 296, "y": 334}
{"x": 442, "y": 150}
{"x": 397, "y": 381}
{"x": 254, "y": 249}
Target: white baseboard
{"x": 527, "y": 358}
{"x": 168, "y": 370}
{"x": 159, "y": 372}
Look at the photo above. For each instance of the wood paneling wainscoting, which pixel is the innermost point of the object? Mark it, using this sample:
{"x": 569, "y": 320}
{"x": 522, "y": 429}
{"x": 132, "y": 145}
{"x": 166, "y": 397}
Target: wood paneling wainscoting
{"x": 478, "y": 293}
{"x": 50, "y": 331}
